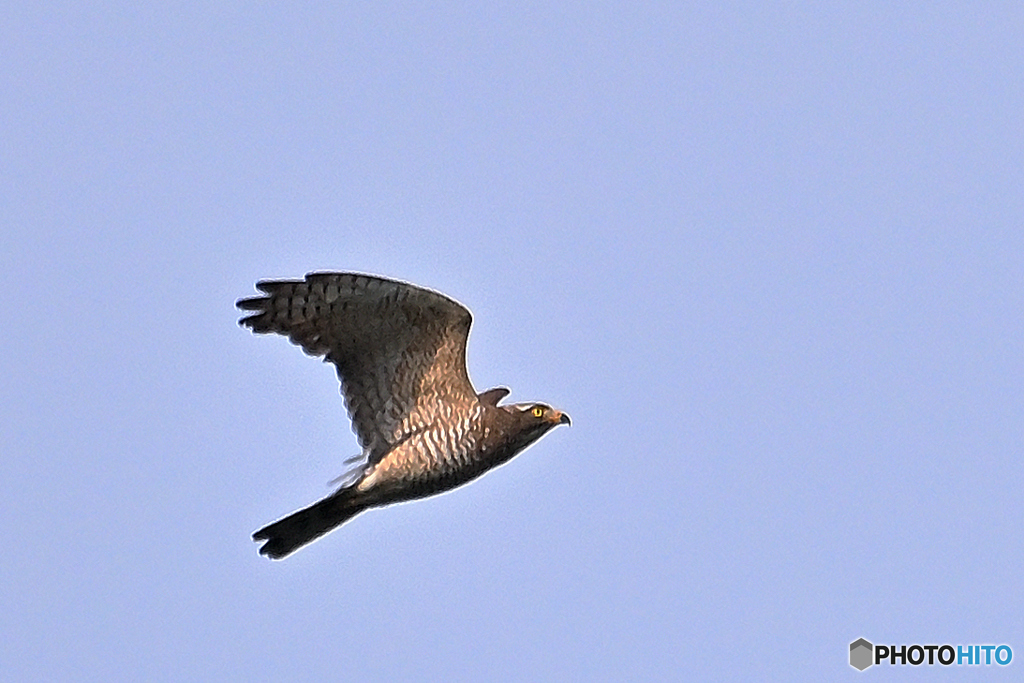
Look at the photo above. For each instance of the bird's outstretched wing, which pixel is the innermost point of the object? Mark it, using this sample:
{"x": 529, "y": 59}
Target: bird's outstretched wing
{"x": 400, "y": 350}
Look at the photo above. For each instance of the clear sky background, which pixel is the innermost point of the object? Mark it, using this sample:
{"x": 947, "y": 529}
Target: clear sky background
{"x": 769, "y": 257}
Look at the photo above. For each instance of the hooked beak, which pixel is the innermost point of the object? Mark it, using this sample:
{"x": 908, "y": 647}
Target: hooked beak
{"x": 563, "y": 419}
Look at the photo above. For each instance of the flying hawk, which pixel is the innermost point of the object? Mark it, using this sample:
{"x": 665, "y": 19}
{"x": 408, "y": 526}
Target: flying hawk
{"x": 400, "y": 352}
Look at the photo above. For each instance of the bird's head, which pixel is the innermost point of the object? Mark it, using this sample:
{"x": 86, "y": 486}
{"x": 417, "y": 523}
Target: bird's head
{"x": 536, "y": 419}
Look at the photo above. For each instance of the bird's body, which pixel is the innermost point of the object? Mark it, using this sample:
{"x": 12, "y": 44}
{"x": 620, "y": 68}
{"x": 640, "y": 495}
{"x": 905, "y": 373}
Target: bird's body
{"x": 400, "y": 353}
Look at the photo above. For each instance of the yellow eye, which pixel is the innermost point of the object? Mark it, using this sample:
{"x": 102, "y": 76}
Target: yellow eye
{"x": 538, "y": 411}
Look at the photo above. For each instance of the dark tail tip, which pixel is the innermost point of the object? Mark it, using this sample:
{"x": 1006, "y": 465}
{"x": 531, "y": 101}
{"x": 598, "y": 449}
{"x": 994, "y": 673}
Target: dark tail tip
{"x": 276, "y": 547}
{"x": 287, "y": 535}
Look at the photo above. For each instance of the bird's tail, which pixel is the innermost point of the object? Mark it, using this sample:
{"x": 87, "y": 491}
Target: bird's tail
{"x": 287, "y": 535}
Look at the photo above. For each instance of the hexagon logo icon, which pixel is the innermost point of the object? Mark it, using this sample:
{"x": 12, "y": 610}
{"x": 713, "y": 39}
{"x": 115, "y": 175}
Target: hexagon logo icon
{"x": 861, "y": 654}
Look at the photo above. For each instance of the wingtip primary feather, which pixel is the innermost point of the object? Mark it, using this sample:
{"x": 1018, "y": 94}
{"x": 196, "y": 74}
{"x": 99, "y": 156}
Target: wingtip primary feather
{"x": 252, "y": 303}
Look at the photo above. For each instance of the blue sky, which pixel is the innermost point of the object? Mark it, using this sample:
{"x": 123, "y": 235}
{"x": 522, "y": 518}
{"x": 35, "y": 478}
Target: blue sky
{"x": 768, "y": 257}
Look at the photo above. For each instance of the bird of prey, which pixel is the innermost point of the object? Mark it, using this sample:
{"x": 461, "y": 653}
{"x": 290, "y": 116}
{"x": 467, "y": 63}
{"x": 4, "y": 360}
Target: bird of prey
{"x": 400, "y": 353}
